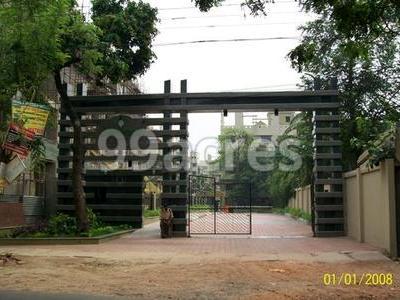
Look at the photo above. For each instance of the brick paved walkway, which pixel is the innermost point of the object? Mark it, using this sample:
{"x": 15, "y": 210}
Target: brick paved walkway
{"x": 274, "y": 237}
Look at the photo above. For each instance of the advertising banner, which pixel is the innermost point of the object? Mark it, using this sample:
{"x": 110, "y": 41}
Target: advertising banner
{"x": 18, "y": 140}
{"x": 15, "y": 168}
{"x": 33, "y": 115}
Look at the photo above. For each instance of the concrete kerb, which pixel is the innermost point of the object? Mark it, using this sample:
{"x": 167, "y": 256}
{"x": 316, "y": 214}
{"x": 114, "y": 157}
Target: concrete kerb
{"x": 65, "y": 240}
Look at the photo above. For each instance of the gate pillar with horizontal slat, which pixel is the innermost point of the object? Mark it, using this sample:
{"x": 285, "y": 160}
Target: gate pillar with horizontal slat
{"x": 64, "y": 188}
{"x": 114, "y": 195}
{"x": 328, "y": 182}
{"x": 175, "y": 163}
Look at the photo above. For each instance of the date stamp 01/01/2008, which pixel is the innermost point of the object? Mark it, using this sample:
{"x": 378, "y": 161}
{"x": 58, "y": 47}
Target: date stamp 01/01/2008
{"x": 370, "y": 279}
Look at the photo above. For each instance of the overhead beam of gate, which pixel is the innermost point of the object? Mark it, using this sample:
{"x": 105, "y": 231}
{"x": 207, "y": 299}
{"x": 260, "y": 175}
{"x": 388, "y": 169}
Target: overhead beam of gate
{"x": 209, "y": 102}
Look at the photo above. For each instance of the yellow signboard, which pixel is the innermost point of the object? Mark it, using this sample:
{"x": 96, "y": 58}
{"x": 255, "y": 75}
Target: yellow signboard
{"x": 33, "y": 115}
{"x": 3, "y": 183}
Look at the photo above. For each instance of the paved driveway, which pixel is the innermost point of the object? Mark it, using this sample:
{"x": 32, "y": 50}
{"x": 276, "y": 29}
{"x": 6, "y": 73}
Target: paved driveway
{"x": 275, "y": 237}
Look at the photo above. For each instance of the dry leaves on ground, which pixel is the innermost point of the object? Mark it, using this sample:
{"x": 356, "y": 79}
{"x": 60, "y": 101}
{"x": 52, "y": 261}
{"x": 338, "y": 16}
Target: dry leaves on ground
{"x": 9, "y": 258}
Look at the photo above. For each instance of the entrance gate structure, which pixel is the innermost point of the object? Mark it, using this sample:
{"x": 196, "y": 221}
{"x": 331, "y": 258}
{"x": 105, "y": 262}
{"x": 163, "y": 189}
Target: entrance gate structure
{"x": 115, "y": 193}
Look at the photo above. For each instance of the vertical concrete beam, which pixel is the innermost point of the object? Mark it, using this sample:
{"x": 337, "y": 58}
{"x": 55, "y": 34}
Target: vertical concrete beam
{"x": 166, "y": 139}
{"x": 360, "y": 199}
{"x": 388, "y": 185}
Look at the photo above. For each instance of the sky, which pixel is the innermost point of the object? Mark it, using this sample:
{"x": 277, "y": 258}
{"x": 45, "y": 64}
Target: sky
{"x": 258, "y": 65}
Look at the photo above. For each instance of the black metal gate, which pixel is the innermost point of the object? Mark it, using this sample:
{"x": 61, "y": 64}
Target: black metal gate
{"x": 219, "y": 207}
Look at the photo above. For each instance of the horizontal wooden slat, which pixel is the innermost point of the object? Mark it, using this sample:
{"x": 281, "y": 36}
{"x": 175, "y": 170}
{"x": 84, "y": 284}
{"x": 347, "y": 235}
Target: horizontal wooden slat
{"x": 70, "y": 195}
{"x": 104, "y": 158}
{"x": 327, "y": 130}
{"x": 179, "y": 208}
{"x": 174, "y": 195}
{"x": 124, "y": 196}
{"x": 246, "y": 107}
{"x": 67, "y": 171}
{"x": 119, "y": 172}
{"x": 121, "y": 219}
{"x": 157, "y": 133}
{"x": 104, "y": 207}
{"x": 319, "y": 233}
{"x": 326, "y": 118}
{"x": 103, "y": 183}
{"x": 327, "y": 155}
{"x": 321, "y": 220}
{"x": 174, "y": 182}
{"x": 329, "y": 181}
{"x": 329, "y": 207}
{"x": 328, "y": 194}
{"x": 327, "y": 143}
{"x": 146, "y": 121}
{"x": 114, "y": 184}
{"x": 152, "y": 146}
{"x": 179, "y": 221}
{"x": 68, "y": 182}
{"x": 319, "y": 168}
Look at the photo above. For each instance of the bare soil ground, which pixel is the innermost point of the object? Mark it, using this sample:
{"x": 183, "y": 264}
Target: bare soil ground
{"x": 210, "y": 280}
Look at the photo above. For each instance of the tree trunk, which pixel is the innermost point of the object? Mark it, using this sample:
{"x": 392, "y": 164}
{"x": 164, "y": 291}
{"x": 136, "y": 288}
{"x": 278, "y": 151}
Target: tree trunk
{"x": 77, "y": 160}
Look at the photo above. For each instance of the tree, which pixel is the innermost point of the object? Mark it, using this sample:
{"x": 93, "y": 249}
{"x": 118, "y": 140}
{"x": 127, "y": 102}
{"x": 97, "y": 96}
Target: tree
{"x": 361, "y": 19}
{"x": 114, "y": 46}
{"x": 28, "y": 51}
{"x": 281, "y": 183}
{"x": 364, "y": 58}
{"x": 256, "y": 7}
{"x": 235, "y": 144}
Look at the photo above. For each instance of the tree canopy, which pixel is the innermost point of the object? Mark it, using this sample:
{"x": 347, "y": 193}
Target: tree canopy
{"x": 358, "y": 43}
{"x": 235, "y": 144}
{"x": 40, "y": 38}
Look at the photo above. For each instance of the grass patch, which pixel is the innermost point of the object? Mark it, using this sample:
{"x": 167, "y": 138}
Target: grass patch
{"x": 201, "y": 207}
{"x": 148, "y": 213}
{"x": 107, "y": 230}
{"x": 294, "y": 212}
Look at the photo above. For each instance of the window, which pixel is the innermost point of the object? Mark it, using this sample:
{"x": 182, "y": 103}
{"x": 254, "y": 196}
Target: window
{"x": 79, "y": 89}
{"x": 287, "y": 119}
{"x": 265, "y": 138}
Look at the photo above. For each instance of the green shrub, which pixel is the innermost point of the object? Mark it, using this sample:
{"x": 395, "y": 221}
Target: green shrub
{"x": 94, "y": 221}
{"x": 101, "y": 231}
{"x": 61, "y": 224}
{"x": 294, "y": 212}
{"x": 279, "y": 210}
{"x": 151, "y": 213}
{"x": 39, "y": 235}
{"x": 107, "y": 230}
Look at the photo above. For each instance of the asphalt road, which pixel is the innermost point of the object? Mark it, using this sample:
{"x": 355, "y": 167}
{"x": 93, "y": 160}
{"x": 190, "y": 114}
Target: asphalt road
{"x": 12, "y": 295}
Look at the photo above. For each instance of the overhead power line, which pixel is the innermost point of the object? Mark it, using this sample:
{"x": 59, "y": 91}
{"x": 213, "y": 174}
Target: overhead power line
{"x": 263, "y": 87}
{"x": 222, "y": 5}
{"x": 178, "y": 18}
{"x": 194, "y": 7}
{"x": 227, "y": 40}
{"x": 228, "y": 25}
